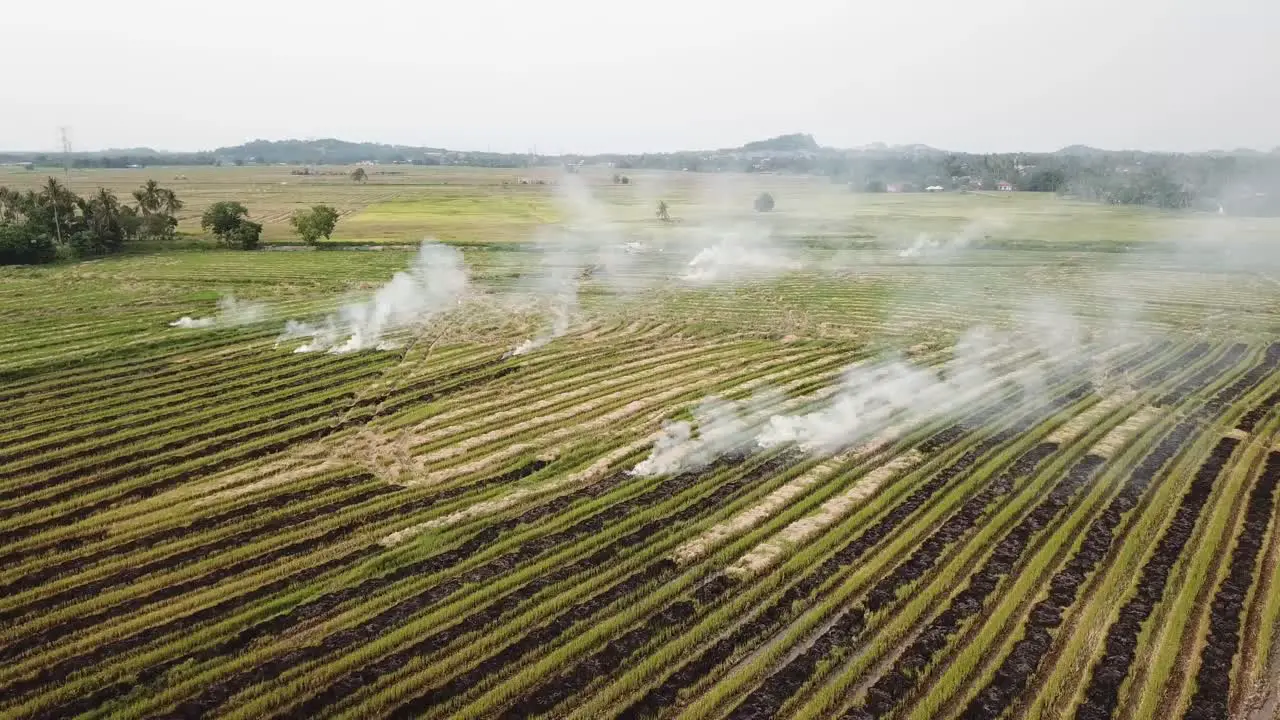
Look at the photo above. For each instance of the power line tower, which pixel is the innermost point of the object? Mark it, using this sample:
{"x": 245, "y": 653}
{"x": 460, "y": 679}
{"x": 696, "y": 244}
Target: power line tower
{"x": 65, "y": 133}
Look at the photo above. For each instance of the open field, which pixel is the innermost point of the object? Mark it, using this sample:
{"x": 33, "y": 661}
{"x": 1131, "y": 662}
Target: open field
{"x": 887, "y": 514}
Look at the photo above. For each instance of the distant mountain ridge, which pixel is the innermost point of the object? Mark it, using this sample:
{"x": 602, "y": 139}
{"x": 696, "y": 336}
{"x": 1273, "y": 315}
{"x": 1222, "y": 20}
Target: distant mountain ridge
{"x": 335, "y": 151}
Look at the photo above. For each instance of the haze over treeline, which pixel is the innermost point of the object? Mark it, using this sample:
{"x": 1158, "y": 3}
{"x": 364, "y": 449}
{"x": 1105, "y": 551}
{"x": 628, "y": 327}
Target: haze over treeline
{"x": 1237, "y": 181}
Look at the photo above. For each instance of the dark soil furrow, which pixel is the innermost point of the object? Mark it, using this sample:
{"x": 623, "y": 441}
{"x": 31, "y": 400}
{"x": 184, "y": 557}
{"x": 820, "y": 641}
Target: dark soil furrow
{"x": 1211, "y": 700}
{"x": 237, "y": 515}
{"x": 548, "y": 633}
{"x": 599, "y": 663}
{"x": 769, "y": 621}
{"x": 242, "y": 640}
{"x": 779, "y": 611}
{"x": 343, "y": 405}
{"x": 145, "y": 459}
{"x": 895, "y": 684}
{"x": 1024, "y": 658}
{"x": 1204, "y": 375}
{"x": 179, "y": 404}
{"x": 62, "y": 670}
{"x": 64, "y": 545}
{"x": 848, "y": 626}
{"x": 658, "y": 572}
{"x": 1103, "y": 692}
{"x": 170, "y": 562}
{"x": 769, "y": 697}
{"x": 403, "y": 611}
{"x": 1251, "y": 419}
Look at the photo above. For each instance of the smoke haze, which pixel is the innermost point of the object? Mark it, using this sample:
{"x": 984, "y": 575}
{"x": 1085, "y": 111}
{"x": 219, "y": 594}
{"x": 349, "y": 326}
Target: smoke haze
{"x": 231, "y": 312}
{"x": 434, "y": 283}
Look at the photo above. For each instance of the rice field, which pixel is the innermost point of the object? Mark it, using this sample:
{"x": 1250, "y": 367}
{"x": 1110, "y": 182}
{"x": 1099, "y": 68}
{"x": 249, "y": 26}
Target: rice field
{"x": 204, "y": 523}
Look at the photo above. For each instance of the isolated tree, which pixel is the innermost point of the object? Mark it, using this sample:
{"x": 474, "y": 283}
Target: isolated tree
{"x": 359, "y": 175}
{"x": 313, "y": 224}
{"x": 764, "y": 203}
{"x": 229, "y": 222}
{"x": 663, "y": 214}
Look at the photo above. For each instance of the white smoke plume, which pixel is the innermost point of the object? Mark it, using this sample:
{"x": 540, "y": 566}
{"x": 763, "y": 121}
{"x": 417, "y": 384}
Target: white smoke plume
{"x": 629, "y": 258}
{"x": 898, "y": 392}
{"x": 933, "y": 245}
{"x": 231, "y": 312}
{"x": 190, "y": 323}
{"x": 591, "y": 244}
{"x": 739, "y": 253}
{"x": 559, "y": 283}
{"x": 874, "y": 396}
{"x": 722, "y": 426}
{"x": 433, "y": 283}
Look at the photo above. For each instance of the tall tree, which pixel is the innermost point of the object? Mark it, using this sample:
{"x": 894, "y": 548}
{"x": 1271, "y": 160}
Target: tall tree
{"x": 169, "y": 202}
{"x": 313, "y": 224}
{"x": 148, "y": 197}
{"x": 229, "y": 222}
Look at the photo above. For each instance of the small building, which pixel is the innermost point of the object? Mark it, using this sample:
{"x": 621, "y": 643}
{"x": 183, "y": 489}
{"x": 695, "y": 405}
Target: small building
{"x": 1004, "y": 186}
{"x": 934, "y": 188}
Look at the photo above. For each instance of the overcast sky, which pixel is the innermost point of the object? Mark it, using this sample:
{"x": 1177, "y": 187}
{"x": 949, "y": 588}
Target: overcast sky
{"x": 595, "y": 76}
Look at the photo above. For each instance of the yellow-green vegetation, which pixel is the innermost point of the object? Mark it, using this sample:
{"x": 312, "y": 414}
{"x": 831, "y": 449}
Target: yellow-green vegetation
{"x": 889, "y": 513}
{"x": 452, "y": 214}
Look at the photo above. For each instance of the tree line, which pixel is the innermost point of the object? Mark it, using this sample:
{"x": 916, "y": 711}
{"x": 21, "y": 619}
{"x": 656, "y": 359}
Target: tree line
{"x": 51, "y": 223}
{"x": 1242, "y": 181}
{"x": 38, "y": 226}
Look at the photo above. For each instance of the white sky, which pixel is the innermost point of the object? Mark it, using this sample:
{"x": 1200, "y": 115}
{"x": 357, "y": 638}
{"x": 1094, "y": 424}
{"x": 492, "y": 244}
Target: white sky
{"x": 597, "y": 76}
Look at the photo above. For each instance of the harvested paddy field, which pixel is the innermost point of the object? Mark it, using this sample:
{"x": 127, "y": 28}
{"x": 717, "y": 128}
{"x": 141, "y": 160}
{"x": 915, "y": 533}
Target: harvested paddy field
{"x": 961, "y": 456}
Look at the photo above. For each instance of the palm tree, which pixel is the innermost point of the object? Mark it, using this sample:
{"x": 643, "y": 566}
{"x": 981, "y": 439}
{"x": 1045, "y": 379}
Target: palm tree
{"x": 170, "y": 203}
{"x": 62, "y": 201}
{"x": 149, "y": 197}
{"x": 55, "y": 192}
{"x": 102, "y": 211}
{"x": 107, "y": 200}
{"x": 9, "y": 203}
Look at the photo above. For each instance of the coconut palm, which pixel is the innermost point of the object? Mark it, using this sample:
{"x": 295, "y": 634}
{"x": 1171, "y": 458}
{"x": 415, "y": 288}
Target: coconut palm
{"x": 148, "y": 197}
{"x": 169, "y": 203}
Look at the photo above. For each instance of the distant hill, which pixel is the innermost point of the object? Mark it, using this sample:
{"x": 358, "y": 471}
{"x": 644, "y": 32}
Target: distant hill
{"x": 137, "y": 151}
{"x": 1080, "y": 150}
{"x": 324, "y": 151}
{"x": 785, "y": 143}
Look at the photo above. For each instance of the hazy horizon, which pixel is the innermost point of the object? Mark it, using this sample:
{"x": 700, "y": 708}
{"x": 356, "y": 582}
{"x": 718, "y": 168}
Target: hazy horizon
{"x": 164, "y": 150}
{"x": 568, "y": 76}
